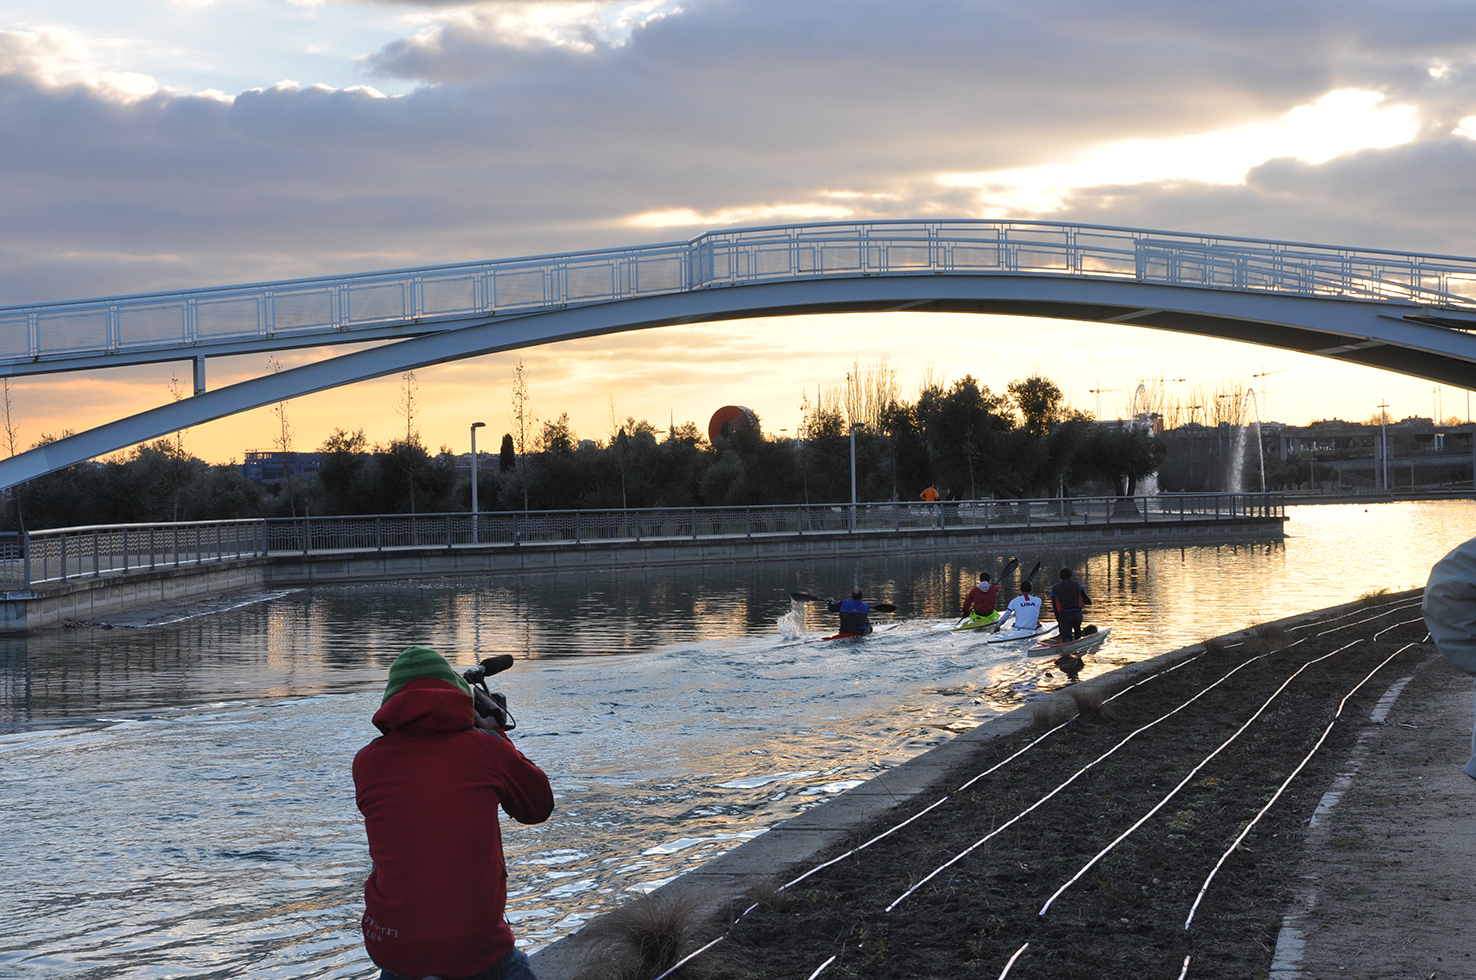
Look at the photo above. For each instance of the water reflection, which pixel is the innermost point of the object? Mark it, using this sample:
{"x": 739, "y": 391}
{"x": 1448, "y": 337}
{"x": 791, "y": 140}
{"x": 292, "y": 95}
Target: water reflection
{"x": 212, "y": 831}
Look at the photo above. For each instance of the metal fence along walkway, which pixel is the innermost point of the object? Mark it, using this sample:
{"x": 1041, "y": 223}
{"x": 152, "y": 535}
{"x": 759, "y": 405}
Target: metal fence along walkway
{"x": 60, "y": 554}
{"x": 338, "y": 309}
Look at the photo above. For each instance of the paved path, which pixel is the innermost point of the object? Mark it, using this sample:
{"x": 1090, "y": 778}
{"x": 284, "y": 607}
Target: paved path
{"x": 1388, "y": 884}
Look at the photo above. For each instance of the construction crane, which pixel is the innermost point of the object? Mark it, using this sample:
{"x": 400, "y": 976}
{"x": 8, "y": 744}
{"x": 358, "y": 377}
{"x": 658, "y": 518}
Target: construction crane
{"x": 1265, "y": 413}
{"x": 1098, "y": 392}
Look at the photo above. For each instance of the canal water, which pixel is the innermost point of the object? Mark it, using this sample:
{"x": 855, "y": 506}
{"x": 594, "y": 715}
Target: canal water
{"x": 177, "y": 796}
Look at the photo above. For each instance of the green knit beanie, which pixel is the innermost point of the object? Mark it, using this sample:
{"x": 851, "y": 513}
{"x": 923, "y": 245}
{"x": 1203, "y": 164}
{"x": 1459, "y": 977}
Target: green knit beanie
{"x": 418, "y": 662}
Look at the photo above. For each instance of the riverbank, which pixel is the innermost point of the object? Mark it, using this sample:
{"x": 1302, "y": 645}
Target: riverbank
{"x": 1018, "y": 825}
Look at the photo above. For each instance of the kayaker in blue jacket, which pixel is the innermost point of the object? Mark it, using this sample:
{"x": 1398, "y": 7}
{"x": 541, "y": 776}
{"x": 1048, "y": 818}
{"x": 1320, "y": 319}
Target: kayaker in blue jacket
{"x": 853, "y": 613}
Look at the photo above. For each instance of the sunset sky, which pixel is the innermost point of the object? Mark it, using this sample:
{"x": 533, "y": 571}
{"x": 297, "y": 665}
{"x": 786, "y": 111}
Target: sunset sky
{"x": 176, "y": 143}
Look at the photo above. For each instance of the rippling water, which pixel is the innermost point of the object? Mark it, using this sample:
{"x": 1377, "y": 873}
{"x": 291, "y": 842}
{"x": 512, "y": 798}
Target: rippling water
{"x": 178, "y": 799}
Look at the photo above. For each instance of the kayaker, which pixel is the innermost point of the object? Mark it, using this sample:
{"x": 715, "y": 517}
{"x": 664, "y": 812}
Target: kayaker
{"x": 853, "y": 614}
{"x": 1023, "y": 608}
{"x": 979, "y": 604}
{"x": 1068, "y": 599}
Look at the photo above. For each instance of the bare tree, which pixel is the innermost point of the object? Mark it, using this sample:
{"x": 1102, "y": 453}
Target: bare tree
{"x": 12, "y": 436}
{"x": 408, "y": 405}
{"x": 617, "y": 442}
{"x": 523, "y": 424}
{"x": 869, "y": 392}
{"x": 177, "y": 391}
{"x": 282, "y": 439}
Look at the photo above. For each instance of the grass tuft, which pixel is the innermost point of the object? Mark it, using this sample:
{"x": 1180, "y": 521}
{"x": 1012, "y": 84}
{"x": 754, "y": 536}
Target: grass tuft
{"x": 1088, "y": 703}
{"x": 1214, "y": 645}
{"x": 1373, "y": 597}
{"x": 1049, "y": 713}
{"x": 769, "y": 895}
{"x": 648, "y": 936}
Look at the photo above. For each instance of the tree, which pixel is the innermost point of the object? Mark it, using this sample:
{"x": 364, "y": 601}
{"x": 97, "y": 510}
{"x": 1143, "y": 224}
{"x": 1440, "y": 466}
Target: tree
{"x": 408, "y": 405}
{"x": 523, "y": 424}
{"x": 282, "y": 439}
{"x": 1039, "y": 402}
{"x": 341, "y": 462}
{"x": 558, "y": 437}
{"x": 507, "y": 456}
{"x": 176, "y": 391}
{"x": 1120, "y": 456}
{"x": 12, "y": 435}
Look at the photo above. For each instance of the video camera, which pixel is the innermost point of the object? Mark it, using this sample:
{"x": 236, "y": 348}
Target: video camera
{"x": 477, "y": 677}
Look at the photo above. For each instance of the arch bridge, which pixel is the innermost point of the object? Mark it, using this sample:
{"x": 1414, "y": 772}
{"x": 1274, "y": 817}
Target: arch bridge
{"x": 1405, "y": 312}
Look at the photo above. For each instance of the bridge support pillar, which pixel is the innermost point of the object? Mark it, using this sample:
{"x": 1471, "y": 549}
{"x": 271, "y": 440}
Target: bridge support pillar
{"x": 199, "y": 374}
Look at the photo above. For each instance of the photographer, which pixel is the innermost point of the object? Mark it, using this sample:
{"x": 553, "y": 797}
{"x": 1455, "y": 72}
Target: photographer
{"x": 429, "y": 789}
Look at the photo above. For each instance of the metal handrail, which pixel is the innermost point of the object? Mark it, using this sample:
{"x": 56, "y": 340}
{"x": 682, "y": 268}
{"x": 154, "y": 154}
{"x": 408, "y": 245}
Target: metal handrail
{"x": 422, "y": 300}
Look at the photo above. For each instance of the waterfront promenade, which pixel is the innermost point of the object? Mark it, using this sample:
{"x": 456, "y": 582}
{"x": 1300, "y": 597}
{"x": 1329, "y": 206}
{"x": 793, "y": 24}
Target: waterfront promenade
{"x": 80, "y": 574}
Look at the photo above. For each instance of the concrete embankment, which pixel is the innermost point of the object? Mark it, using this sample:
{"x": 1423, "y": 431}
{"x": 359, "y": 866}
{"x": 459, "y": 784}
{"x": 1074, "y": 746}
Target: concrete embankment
{"x": 94, "y": 597}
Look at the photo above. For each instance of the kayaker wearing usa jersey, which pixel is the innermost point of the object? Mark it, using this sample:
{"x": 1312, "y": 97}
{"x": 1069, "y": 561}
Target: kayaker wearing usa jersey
{"x": 979, "y": 604}
{"x": 853, "y": 613}
{"x": 1024, "y": 608}
{"x": 1068, "y": 599}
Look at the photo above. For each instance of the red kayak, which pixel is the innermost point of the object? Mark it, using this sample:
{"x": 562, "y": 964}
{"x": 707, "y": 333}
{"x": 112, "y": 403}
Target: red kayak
{"x": 884, "y": 627}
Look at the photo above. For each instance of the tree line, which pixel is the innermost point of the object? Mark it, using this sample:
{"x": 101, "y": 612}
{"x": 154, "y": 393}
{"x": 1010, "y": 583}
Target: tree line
{"x": 961, "y": 438}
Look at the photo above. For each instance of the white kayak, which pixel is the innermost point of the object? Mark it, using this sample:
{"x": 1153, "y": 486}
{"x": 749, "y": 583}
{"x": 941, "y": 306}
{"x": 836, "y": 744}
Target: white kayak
{"x": 1013, "y": 634}
{"x": 1048, "y": 648}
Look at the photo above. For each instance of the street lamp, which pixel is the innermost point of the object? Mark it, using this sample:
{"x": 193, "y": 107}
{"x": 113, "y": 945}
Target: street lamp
{"x": 476, "y": 538}
{"x": 854, "y": 427}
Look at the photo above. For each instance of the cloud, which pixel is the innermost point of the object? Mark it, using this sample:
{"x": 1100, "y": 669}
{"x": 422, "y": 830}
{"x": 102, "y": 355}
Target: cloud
{"x": 1340, "y": 122}
{"x": 54, "y": 58}
{"x": 540, "y": 127}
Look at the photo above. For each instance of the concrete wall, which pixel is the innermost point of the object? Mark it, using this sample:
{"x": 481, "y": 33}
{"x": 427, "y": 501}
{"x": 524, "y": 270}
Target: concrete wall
{"x": 87, "y": 598}
{"x": 561, "y": 556}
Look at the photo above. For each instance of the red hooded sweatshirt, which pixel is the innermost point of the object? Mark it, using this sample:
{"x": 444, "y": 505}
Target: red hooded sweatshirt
{"x": 429, "y": 791}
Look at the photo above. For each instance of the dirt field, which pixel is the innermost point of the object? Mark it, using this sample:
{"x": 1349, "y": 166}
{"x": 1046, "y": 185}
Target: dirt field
{"x": 1176, "y": 767}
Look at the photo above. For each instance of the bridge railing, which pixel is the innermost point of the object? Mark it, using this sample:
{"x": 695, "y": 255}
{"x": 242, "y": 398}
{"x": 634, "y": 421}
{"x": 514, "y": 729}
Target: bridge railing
{"x": 60, "y": 554}
{"x": 347, "y": 534}
{"x": 416, "y": 300}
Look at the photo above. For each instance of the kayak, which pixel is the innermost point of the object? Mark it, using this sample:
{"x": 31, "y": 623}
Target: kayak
{"x": 884, "y": 627}
{"x": 979, "y": 623}
{"x": 1091, "y": 641}
{"x": 1013, "y": 634}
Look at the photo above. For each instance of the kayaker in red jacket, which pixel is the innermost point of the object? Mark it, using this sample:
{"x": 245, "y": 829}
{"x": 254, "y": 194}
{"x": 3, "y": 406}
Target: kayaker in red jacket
{"x": 979, "y": 603}
{"x": 429, "y": 789}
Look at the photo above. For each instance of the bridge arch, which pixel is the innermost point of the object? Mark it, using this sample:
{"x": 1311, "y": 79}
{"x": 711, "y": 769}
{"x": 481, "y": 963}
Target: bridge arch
{"x": 1412, "y": 314}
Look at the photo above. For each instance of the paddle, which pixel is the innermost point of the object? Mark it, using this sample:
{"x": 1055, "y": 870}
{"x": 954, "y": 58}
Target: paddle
{"x": 881, "y": 607}
{"x": 1031, "y": 577}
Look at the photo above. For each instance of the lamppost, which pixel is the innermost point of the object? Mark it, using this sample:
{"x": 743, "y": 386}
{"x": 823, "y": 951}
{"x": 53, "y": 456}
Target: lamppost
{"x": 1384, "y": 438}
{"x": 476, "y": 538}
{"x": 854, "y": 427}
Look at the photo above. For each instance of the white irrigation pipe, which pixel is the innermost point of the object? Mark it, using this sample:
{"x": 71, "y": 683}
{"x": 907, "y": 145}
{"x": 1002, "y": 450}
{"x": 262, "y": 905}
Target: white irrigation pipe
{"x": 1334, "y": 619}
{"x": 1040, "y": 802}
{"x": 1185, "y": 972}
{"x": 821, "y": 968}
{"x": 1370, "y": 619}
{"x": 1185, "y": 781}
{"x": 1407, "y": 622}
{"x": 696, "y": 953}
{"x": 998, "y": 765}
{"x": 1011, "y": 963}
{"x": 1277, "y": 795}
